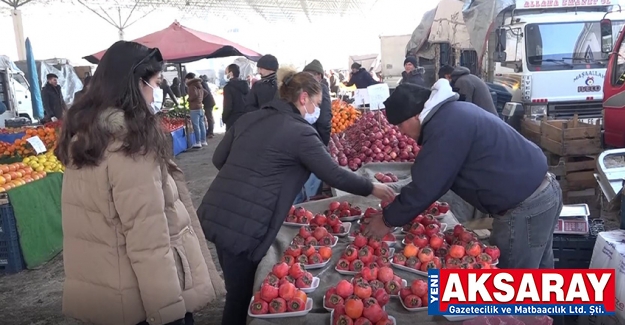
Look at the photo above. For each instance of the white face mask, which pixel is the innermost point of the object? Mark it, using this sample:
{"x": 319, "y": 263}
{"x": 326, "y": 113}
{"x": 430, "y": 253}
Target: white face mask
{"x": 157, "y": 94}
{"x": 312, "y": 118}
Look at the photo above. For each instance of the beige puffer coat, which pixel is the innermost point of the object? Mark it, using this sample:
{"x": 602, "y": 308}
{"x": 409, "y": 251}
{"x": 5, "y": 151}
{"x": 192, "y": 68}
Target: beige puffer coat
{"x": 134, "y": 249}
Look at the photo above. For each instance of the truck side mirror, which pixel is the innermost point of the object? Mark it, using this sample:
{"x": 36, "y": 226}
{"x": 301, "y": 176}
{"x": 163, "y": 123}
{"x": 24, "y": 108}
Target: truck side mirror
{"x": 500, "y": 47}
{"x": 606, "y": 36}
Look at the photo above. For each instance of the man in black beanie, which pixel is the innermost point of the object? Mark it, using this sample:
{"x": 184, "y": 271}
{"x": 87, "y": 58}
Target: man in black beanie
{"x": 485, "y": 162}
{"x": 264, "y": 90}
{"x": 413, "y": 74}
{"x": 360, "y": 77}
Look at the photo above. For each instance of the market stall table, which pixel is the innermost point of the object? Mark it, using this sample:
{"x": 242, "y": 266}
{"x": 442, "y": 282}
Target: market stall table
{"x": 330, "y": 277}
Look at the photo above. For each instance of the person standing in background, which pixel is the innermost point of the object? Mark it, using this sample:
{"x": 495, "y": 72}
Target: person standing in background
{"x": 167, "y": 91}
{"x": 360, "y": 77}
{"x": 234, "y": 96}
{"x": 265, "y": 90}
{"x": 175, "y": 87}
{"x": 412, "y": 73}
{"x": 209, "y": 104}
{"x": 196, "y": 97}
{"x": 85, "y": 87}
{"x": 52, "y": 97}
{"x": 334, "y": 87}
{"x": 470, "y": 87}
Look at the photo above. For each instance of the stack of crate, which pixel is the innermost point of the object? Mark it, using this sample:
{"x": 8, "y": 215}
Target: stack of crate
{"x": 11, "y": 260}
{"x": 572, "y": 147}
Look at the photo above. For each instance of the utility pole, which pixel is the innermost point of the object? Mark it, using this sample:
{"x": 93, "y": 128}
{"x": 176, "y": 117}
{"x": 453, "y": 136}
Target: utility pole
{"x": 18, "y": 25}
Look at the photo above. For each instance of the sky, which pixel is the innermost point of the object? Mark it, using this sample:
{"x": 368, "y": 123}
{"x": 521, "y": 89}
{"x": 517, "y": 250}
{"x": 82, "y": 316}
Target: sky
{"x": 72, "y": 32}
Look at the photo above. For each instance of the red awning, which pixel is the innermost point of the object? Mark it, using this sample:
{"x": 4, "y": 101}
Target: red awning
{"x": 179, "y": 44}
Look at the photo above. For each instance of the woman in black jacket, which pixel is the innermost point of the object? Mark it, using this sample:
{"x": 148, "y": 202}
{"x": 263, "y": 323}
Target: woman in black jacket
{"x": 263, "y": 161}
{"x": 175, "y": 87}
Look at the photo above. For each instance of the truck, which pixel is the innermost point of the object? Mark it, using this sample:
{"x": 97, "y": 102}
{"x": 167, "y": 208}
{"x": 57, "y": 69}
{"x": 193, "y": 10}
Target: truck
{"x": 613, "y": 85}
{"x": 546, "y": 53}
{"x": 392, "y": 55}
{"x": 14, "y": 92}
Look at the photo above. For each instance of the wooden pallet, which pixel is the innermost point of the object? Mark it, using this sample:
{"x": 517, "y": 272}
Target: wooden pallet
{"x": 570, "y": 137}
{"x": 573, "y": 173}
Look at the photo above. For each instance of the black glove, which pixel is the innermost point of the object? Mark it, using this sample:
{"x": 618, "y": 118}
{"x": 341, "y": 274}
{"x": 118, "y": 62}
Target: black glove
{"x": 177, "y": 322}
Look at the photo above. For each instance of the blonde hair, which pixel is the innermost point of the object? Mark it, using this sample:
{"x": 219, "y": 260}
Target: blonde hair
{"x": 292, "y": 83}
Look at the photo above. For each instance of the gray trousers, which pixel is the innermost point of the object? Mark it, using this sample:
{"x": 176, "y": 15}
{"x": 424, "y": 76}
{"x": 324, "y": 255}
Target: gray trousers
{"x": 525, "y": 234}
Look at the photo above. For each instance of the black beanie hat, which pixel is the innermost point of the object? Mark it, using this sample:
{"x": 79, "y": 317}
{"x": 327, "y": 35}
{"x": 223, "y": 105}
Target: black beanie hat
{"x": 268, "y": 62}
{"x": 412, "y": 60}
{"x": 356, "y": 65}
{"x": 405, "y": 102}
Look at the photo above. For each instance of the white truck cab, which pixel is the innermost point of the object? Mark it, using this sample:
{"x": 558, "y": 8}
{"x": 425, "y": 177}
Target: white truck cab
{"x": 15, "y": 95}
{"x": 548, "y": 54}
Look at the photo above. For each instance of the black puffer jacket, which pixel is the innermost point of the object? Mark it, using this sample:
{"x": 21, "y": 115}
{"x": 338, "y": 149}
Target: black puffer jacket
{"x": 324, "y": 123}
{"x": 262, "y": 92}
{"x": 413, "y": 77}
{"x": 234, "y": 100}
{"x": 263, "y": 161}
{"x": 53, "y": 103}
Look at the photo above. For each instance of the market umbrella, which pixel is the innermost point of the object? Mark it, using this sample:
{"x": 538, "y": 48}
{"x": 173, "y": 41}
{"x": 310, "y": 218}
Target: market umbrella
{"x": 33, "y": 77}
{"x": 179, "y": 44}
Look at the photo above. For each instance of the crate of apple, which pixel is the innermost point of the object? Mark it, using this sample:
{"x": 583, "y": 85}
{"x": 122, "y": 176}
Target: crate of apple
{"x": 308, "y": 255}
{"x": 362, "y": 253}
{"x": 316, "y": 238}
{"x": 280, "y": 296}
{"x": 414, "y": 297}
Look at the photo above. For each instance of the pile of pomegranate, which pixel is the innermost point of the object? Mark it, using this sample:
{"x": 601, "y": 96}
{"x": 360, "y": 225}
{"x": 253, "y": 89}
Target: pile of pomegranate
{"x": 280, "y": 292}
{"x": 362, "y": 300}
{"x": 306, "y": 255}
{"x": 372, "y": 139}
{"x": 364, "y": 253}
{"x": 426, "y": 248}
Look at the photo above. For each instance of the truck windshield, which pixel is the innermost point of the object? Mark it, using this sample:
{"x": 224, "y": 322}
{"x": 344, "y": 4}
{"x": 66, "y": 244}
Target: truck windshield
{"x": 19, "y": 78}
{"x": 566, "y": 46}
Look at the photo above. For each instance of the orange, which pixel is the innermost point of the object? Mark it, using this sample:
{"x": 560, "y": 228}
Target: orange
{"x": 410, "y": 250}
{"x": 13, "y": 175}
{"x": 12, "y": 167}
{"x": 18, "y": 174}
{"x": 28, "y": 170}
{"x": 43, "y": 174}
{"x": 36, "y": 177}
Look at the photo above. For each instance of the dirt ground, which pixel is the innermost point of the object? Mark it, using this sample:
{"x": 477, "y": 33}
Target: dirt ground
{"x": 34, "y": 297}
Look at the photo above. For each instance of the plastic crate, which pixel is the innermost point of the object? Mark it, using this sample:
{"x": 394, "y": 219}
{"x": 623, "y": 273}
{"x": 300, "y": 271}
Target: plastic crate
{"x": 11, "y": 260}
{"x": 574, "y": 251}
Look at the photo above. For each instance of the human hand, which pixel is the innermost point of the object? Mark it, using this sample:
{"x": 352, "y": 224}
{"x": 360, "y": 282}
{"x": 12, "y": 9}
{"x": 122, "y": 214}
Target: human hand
{"x": 383, "y": 192}
{"x": 375, "y": 226}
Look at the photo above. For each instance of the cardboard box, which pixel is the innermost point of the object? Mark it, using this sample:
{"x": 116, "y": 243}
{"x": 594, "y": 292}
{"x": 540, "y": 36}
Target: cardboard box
{"x": 609, "y": 253}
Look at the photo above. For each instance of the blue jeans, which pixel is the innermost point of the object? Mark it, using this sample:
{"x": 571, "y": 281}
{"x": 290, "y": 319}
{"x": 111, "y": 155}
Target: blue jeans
{"x": 311, "y": 187}
{"x": 197, "y": 119}
{"x": 525, "y": 234}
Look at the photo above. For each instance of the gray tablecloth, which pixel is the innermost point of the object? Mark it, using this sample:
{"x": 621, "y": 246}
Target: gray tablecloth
{"x": 463, "y": 210}
{"x": 329, "y": 276}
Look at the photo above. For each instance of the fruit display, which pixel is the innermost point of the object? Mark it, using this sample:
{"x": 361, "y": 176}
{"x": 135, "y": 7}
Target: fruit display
{"x": 356, "y": 310}
{"x": 380, "y": 283}
{"x": 320, "y": 236}
{"x": 457, "y": 248}
{"x": 307, "y": 255}
{"x": 343, "y": 116}
{"x": 299, "y": 216}
{"x": 344, "y": 210}
{"x": 17, "y": 174}
{"x": 364, "y": 253}
{"x": 414, "y": 297}
{"x": 386, "y": 177}
{"x": 372, "y": 139}
{"x": 279, "y": 293}
{"x": 172, "y": 123}
{"x": 46, "y": 162}
{"x": 54, "y": 124}
{"x": 13, "y": 130}
{"x": 22, "y": 148}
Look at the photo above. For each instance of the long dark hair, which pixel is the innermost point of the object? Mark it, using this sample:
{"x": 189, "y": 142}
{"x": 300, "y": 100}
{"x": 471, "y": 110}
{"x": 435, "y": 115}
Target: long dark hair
{"x": 115, "y": 84}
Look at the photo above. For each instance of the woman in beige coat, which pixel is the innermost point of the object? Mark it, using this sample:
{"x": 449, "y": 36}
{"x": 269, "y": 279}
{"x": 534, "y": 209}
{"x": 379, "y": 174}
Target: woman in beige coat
{"x": 134, "y": 251}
